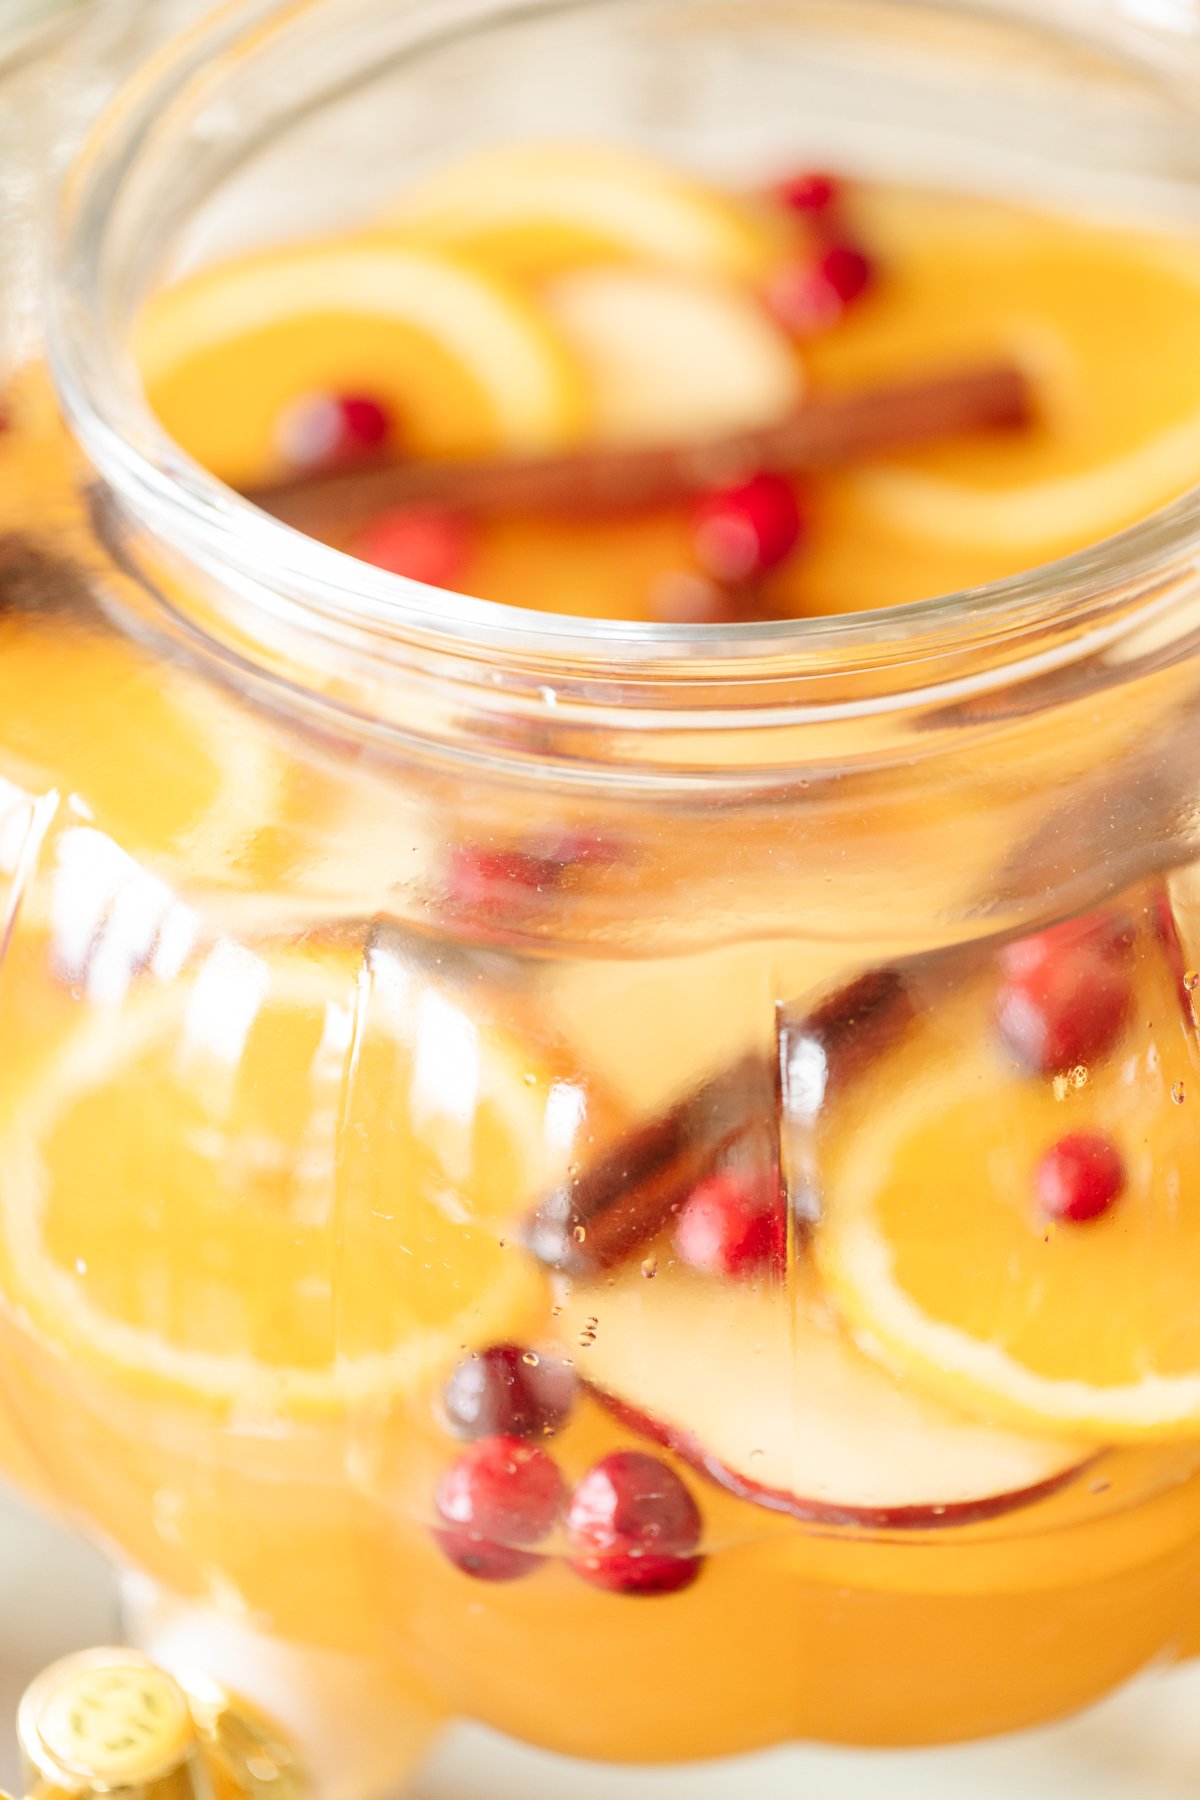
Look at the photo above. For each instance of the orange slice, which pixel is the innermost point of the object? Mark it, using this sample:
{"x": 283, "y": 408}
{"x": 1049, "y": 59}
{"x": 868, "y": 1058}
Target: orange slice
{"x": 933, "y": 1245}
{"x": 536, "y": 209}
{"x": 1104, "y": 320}
{"x": 278, "y": 1187}
{"x": 82, "y": 713}
{"x": 462, "y": 359}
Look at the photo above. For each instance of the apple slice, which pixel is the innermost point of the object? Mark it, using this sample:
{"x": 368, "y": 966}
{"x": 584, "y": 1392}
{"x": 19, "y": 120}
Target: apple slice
{"x": 671, "y": 358}
{"x": 652, "y": 1028}
{"x": 759, "y": 1389}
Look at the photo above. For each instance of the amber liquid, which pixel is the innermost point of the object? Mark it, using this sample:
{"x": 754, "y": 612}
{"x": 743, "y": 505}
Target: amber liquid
{"x": 264, "y": 1170}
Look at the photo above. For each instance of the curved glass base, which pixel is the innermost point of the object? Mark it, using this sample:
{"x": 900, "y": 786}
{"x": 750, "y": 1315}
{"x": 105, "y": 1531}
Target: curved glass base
{"x": 1142, "y": 1741}
{"x": 59, "y": 1595}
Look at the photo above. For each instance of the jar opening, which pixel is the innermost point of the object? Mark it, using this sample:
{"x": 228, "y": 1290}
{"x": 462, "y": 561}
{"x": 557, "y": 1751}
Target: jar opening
{"x": 184, "y": 133}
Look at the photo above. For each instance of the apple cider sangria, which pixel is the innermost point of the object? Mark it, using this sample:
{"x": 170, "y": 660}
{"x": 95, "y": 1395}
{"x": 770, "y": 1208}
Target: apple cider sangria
{"x": 598, "y": 820}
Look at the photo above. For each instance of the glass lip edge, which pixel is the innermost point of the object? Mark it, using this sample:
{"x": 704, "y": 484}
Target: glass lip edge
{"x": 137, "y": 459}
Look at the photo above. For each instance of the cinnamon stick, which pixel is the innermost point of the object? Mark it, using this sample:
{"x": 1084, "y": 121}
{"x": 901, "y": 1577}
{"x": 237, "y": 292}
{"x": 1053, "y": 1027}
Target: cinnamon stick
{"x": 625, "y": 1199}
{"x": 608, "y": 1211}
{"x": 827, "y": 1048}
{"x": 36, "y": 579}
{"x": 821, "y": 433}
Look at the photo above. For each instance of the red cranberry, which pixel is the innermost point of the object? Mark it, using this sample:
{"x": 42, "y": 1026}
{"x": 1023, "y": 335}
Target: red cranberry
{"x": 848, "y": 270}
{"x": 1109, "y": 934}
{"x": 1079, "y": 1178}
{"x": 750, "y": 529}
{"x": 424, "y": 543}
{"x": 480, "y": 880}
{"x": 485, "y": 1561}
{"x": 1067, "y": 1009}
{"x": 813, "y": 191}
{"x": 499, "y": 1494}
{"x": 322, "y": 430}
{"x": 633, "y": 1526}
{"x": 507, "y": 1389}
{"x": 810, "y": 296}
{"x": 503, "y": 1489}
{"x": 802, "y": 301}
{"x": 732, "y": 1224}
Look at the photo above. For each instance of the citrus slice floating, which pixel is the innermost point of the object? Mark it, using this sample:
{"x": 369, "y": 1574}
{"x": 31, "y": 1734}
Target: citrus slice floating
{"x": 535, "y": 209}
{"x": 277, "y": 1188}
{"x": 459, "y": 358}
{"x": 1105, "y": 322}
{"x": 932, "y": 1241}
{"x": 83, "y": 712}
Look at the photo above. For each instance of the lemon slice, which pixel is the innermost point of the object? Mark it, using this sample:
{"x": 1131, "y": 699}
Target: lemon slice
{"x": 461, "y": 359}
{"x": 1106, "y": 323}
{"x": 536, "y": 209}
{"x": 933, "y": 1245}
{"x": 278, "y": 1187}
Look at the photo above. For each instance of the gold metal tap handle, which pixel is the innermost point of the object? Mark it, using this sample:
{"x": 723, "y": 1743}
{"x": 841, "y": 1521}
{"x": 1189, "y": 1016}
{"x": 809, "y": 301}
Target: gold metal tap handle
{"x": 111, "y": 1722}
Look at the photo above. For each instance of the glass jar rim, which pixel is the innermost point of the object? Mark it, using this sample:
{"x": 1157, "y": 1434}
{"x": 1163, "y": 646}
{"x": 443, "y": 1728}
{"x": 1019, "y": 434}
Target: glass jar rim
{"x": 208, "y": 522}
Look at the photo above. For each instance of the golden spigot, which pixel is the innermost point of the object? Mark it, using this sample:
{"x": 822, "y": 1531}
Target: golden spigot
{"x": 111, "y": 1722}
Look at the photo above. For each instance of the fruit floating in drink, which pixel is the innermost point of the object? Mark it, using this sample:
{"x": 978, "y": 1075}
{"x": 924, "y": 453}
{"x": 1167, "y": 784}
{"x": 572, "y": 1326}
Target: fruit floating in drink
{"x": 653, "y": 1338}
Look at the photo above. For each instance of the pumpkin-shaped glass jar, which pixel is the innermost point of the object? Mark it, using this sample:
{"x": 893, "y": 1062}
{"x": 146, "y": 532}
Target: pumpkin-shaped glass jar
{"x": 633, "y": 1183}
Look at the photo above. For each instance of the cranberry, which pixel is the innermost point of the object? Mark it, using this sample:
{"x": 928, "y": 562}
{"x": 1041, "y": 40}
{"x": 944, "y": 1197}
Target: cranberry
{"x": 1110, "y": 934}
{"x": 425, "y": 543}
{"x": 1079, "y": 1177}
{"x": 848, "y": 270}
{"x": 1067, "y": 1009}
{"x": 499, "y": 1494}
{"x": 506, "y": 1389}
{"x": 323, "y": 430}
{"x": 750, "y": 529}
{"x": 485, "y": 1561}
{"x": 810, "y": 296}
{"x": 504, "y": 1489}
{"x": 813, "y": 191}
{"x": 802, "y": 301}
{"x": 479, "y": 880}
{"x": 732, "y": 1224}
{"x": 633, "y": 1526}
